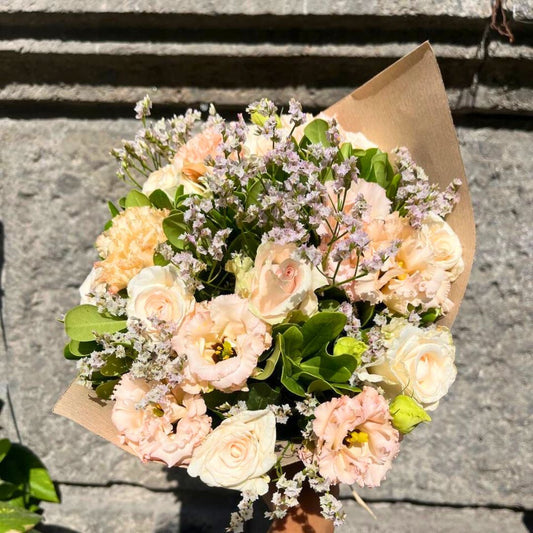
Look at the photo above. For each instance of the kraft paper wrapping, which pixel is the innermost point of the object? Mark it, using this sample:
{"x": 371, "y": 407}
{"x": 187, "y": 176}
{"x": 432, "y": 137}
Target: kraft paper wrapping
{"x": 405, "y": 105}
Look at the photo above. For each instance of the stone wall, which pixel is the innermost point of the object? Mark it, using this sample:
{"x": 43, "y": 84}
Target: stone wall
{"x": 70, "y": 73}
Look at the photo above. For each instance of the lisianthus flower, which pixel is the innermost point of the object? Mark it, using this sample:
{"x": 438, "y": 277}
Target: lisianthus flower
{"x": 168, "y": 430}
{"x": 128, "y": 245}
{"x": 222, "y": 340}
{"x": 168, "y": 179}
{"x": 356, "y": 441}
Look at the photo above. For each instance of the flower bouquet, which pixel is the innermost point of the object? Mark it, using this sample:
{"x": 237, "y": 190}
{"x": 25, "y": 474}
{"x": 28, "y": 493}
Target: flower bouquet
{"x": 277, "y": 289}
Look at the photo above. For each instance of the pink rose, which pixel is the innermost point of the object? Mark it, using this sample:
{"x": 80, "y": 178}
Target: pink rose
{"x": 356, "y": 440}
{"x": 168, "y": 431}
{"x": 282, "y": 282}
{"x": 222, "y": 340}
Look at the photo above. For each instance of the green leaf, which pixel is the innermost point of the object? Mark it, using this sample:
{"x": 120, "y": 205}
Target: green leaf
{"x": 113, "y": 209}
{"x": 136, "y": 199}
{"x": 261, "y": 395}
{"x": 159, "y": 260}
{"x": 392, "y": 189}
{"x": 82, "y": 321}
{"x": 271, "y": 362}
{"x": 430, "y": 315}
{"x": 122, "y": 202}
{"x": 5, "y": 445}
{"x": 67, "y": 354}
{"x": 105, "y": 389}
{"x": 292, "y": 343}
{"x": 253, "y": 192}
{"x": 22, "y": 466}
{"x": 350, "y": 346}
{"x": 321, "y": 329}
{"x": 82, "y": 349}
{"x": 315, "y": 132}
{"x": 115, "y": 366}
{"x": 14, "y": 518}
{"x": 287, "y": 380}
{"x": 330, "y": 368}
{"x": 329, "y": 305}
{"x": 7, "y": 490}
{"x": 365, "y": 312}
{"x": 174, "y": 227}
{"x": 346, "y": 151}
{"x": 319, "y": 385}
{"x": 160, "y": 200}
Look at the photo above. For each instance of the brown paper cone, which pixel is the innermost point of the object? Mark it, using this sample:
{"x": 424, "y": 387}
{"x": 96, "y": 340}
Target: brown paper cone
{"x": 405, "y": 105}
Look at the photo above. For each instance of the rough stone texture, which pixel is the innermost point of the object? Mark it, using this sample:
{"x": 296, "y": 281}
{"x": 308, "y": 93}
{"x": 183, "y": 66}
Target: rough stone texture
{"x": 56, "y": 177}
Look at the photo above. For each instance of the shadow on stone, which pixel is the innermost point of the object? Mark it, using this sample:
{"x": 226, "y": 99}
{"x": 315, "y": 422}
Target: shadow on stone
{"x": 528, "y": 520}
{"x": 51, "y": 528}
{"x": 204, "y": 509}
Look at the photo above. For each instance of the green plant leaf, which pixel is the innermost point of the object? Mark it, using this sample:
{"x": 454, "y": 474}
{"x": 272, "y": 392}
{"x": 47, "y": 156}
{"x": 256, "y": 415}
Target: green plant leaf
{"x": 365, "y": 312}
{"x": 287, "y": 379}
{"x": 105, "y": 389}
{"x": 315, "y": 132}
{"x": 160, "y": 200}
{"x": 22, "y": 466}
{"x": 115, "y": 366}
{"x": 319, "y": 385}
{"x": 271, "y": 362}
{"x": 7, "y": 490}
{"x": 346, "y": 151}
{"x": 159, "y": 260}
{"x": 136, "y": 199}
{"x": 113, "y": 209}
{"x": 292, "y": 343}
{"x": 392, "y": 188}
{"x": 13, "y": 518}
{"x": 261, "y": 395}
{"x": 5, "y": 445}
{"x": 174, "y": 227}
{"x": 330, "y": 368}
{"x": 321, "y": 329}
{"x": 82, "y": 349}
{"x": 82, "y": 321}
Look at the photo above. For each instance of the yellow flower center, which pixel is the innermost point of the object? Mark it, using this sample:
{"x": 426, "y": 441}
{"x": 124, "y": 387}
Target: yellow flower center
{"x": 158, "y": 410}
{"x": 223, "y": 350}
{"x": 402, "y": 276}
{"x": 355, "y": 437}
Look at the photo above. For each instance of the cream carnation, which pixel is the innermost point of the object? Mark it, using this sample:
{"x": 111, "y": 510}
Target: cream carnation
{"x": 159, "y": 292}
{"x": 168, "y": 431}
{"x": 356, "y": 441}
{"x": 128, "y": 245}
{"x": 418, "y": 362}
{"x": 238, "y": 453}
{"x": 282, "y": 282}
{"x": 222, "y": 340}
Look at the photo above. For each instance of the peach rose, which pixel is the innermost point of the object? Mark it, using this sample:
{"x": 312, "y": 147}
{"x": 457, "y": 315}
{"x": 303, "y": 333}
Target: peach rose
{"x": 282, "y": 282}
{"x": 168, "y": 179}
{"x": 168, "y": 431}
{"x": 419, "y": 362}
{"x": 238, "y": 453}
{"x": 222, "y": 340}
{"x": 190, "y": 158}
{"x": 356, "y": 440}
{"x": 128, "y": 245}
{"x": 159, "y": 292}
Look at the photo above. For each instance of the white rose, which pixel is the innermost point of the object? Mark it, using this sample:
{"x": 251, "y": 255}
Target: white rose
{"x": 282, "y": 282}
{"x": 418, "y": 362}
{"x": 91, "y": 286}
{"x": 446, "y": 246}
{"x": 159, "y": 292}
{"x": 238, "y": 453}
{"x": 168, "y": 179}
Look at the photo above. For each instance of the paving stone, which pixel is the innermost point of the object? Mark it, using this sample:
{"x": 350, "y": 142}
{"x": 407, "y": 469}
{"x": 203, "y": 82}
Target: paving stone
{"x": 56, "y": 178}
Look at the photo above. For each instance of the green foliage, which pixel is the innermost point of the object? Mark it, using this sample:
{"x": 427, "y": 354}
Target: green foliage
{"x": 112, "y": 209}
{"x": 374, "y": 166}
{"x": 136, "y": 199}
{"x": 82, "y": 321}
{"x": 315, "y": 133}
{"x": 174, "y": 227}
{"x": 306, "y": 364}
{"x": 160, "y": 200}
{"x": 24, "y": 483}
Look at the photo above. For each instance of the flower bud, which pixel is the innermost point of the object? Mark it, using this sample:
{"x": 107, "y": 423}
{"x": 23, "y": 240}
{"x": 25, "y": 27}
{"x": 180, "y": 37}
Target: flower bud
{"x": 407, "y": 414}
